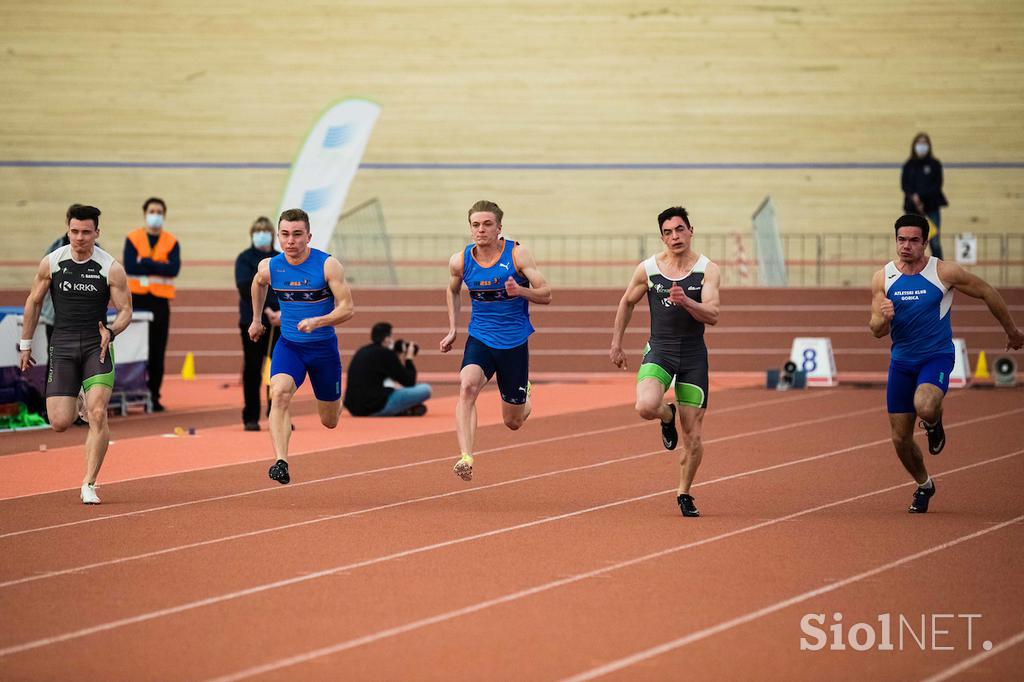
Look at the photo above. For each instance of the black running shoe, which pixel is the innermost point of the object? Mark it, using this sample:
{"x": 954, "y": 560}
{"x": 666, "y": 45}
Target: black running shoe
{"x": 669, "y": 435}
{"x": 936, "y": 436}
{"x": 688, "y": 508}
{"x": 921, "y": 497}
{"x": 279, "y": 472}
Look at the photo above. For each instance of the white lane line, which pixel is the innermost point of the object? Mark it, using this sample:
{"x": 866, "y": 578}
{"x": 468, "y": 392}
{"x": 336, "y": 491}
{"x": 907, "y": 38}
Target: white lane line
{"x": 435, "y": 460}
{"x": 976, "y": 659}
{"x": 152, "y": 615}
{"x": 628, "y": 661}
{"x": 463, "y": 491}
{"x": 616, "y": 665}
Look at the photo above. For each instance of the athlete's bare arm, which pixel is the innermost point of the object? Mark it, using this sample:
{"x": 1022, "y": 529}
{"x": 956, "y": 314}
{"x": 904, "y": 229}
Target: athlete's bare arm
{"x": 707, "y": 310}
{"x": 539, "y": 291}
{"x": 344, "y": 308}
{"x": 635, "y": 291}
{"x": 30, "y": 316}
{"x": 453, "y": 298}
{"x": 121, "y": 297}
{"x": 975, "y": 287}
{"x": 882, "y": 310}
{"x": 259, "y": 288}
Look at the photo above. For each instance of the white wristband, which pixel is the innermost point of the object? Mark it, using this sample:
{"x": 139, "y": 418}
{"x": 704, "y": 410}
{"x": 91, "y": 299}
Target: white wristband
{"x": 24, "y": 344}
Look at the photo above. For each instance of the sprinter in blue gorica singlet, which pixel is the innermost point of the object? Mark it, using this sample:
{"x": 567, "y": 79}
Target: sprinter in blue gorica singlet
{"x": 503, "y": 280}
{"x": 911, "y": 301}
{"x": 314, "y": 297}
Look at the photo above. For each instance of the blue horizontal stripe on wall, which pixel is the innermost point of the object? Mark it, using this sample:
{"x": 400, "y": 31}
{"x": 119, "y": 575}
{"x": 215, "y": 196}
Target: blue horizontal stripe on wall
{"x": 242, "y": 165}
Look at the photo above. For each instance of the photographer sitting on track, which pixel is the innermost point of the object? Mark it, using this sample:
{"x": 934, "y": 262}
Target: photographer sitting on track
{"x": 369, "y": 393}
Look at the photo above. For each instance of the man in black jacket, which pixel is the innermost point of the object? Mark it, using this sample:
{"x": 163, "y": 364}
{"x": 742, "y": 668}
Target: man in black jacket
{"x": 255, "y": 353}
{"x": 921, "y": 181}
{"x": 382, "y": 378}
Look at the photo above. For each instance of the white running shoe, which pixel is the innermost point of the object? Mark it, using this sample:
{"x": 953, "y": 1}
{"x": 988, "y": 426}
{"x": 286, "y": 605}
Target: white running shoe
{"x": 82, "y": 406}
{"x": 89, "y": 494}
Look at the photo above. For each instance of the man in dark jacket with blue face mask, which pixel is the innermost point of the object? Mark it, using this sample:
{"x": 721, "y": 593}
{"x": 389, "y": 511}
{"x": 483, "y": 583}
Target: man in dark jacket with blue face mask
{"x": 255, "y": 352}
{"x": 922, "y": 186}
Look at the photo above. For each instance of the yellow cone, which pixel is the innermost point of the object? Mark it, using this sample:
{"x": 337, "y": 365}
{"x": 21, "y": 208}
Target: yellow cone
{"x": 188, "y": 369}
{"x": 981, "y": 371}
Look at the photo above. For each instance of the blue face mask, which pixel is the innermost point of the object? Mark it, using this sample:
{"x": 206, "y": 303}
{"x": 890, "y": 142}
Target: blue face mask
{"x": 262, "y": 240}
{"x": 154, "y": 220}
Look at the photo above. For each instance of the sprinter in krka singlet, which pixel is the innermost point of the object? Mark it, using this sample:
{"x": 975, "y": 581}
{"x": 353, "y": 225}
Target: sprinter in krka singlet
{"x": 314, "y": 297}
{"x": 81, "y": 278}
{"x": 681, "y": 286}
{"x": 912, "y": 299}
{"x": 503, "y": 280}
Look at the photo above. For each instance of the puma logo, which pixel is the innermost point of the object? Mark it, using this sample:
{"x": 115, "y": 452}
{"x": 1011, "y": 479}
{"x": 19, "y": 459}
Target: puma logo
{"x": 503, "y": 265}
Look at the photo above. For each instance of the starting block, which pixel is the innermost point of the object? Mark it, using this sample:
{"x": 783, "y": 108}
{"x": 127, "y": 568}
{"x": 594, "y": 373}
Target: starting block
{"x": 813, "y": 356}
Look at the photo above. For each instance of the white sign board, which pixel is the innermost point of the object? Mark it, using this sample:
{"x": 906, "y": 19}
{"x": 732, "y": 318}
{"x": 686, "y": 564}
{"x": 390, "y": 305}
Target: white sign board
{"x": 966, "y": 249}
{"x": 961, "y": 374}
{"x": 813, "y": 355}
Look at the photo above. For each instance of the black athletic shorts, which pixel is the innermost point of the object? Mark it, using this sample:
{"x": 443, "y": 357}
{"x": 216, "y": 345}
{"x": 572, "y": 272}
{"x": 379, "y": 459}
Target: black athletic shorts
{"x": 511, "y": 364}
{"x": 688, "y": 369}
{"x": 75, "y": 363}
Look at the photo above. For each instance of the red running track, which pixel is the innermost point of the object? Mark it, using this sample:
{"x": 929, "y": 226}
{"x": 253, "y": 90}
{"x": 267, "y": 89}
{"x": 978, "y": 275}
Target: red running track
{"x": 565, "y": 558}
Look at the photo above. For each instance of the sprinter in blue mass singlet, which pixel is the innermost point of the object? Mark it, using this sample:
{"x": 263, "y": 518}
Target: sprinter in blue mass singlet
{"x": 303, "y": 292}
{"x": 310, "y": 286}
{"x": 502, "y": 279}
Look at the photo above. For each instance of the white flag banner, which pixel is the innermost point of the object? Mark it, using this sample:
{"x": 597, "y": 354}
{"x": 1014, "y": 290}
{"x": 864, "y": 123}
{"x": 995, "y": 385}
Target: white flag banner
{"x": 328, "y": 162}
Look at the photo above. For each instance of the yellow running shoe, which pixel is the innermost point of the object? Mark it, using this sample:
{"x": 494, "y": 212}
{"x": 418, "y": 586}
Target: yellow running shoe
{"x": 464, "y": 467}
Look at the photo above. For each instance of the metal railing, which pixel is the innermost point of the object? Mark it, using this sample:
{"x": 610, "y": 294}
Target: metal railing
{"x": 374, "y": 258}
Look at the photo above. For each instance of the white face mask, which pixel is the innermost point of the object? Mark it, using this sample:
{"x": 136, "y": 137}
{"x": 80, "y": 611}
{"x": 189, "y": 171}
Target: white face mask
{"x": 262, "y": 240}
{"x": 921, "y": 148}
{"x": 154, "y": 220}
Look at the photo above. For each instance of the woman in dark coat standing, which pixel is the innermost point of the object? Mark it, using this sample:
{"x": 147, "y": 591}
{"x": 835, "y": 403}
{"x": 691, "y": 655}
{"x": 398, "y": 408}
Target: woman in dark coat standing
{"x": 261, "y": 235}
{"x": 922, "y": 186}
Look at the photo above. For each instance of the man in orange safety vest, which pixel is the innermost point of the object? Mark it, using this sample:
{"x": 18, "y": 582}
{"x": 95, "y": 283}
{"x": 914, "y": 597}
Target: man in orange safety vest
{"x": 152, "y": 260}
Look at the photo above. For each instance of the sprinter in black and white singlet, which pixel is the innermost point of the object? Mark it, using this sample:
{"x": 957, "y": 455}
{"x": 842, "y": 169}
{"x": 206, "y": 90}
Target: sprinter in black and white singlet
{"x": 81, "y": 278}
{"x": 681, "y": 286}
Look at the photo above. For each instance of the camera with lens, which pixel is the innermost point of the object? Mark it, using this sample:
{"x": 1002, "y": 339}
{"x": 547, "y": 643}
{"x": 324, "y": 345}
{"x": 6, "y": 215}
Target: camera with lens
{"x": 401, "y": 345}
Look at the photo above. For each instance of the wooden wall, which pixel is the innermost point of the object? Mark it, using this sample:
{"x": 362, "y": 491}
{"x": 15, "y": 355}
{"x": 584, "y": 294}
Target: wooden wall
{"x": 641, "y": 82}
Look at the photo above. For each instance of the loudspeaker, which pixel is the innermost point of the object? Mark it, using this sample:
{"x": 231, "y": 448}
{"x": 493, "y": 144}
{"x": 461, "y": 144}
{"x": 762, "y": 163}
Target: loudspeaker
{"x": 786, "y": 378}
{"x": 1004, "y": 371}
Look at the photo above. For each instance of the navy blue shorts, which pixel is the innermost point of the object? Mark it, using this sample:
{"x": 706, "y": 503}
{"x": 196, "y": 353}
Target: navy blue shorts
{"x": 511, "y": 364}
{"x": 319, "y": 358}
{"x": 905, "y": 377}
